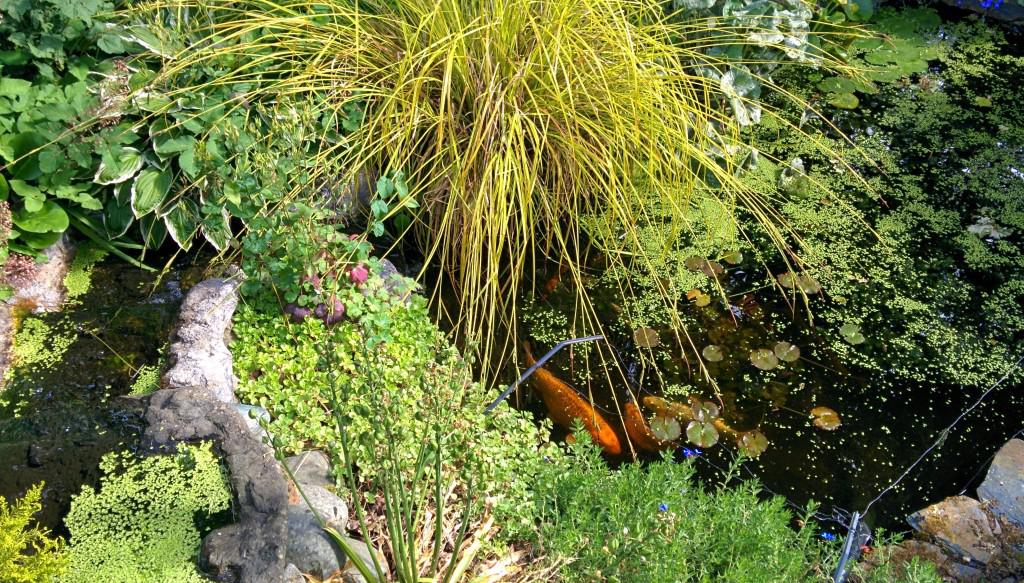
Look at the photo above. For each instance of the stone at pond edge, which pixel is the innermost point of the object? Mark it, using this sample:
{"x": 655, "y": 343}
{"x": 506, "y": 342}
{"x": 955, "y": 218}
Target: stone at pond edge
{"x": 351, "y": 573}
{"x": 292, "y": 574}
{"x": 311, "y": 467}
{"x": 960, "y": 525}
{"x": 199, "y": 355}
{"x": 314, "y": 552}
{"x": 332, "y": 509}
{"x": 1003, "y": 487}
{"x": 251, "y": 550}
{"x": 246, "y": 411}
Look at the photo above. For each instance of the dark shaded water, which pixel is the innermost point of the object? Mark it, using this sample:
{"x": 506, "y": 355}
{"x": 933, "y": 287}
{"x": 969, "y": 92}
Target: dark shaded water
{"x": 57, "y": 418}
{"x": 886, "y": 422}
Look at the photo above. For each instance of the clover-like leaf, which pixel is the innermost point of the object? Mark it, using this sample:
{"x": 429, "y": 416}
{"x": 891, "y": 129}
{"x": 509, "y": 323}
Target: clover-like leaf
{"x": 665, "y": 428}
{"x": 753, "y": 443}
{"x": 825, "y": 418}
{"x": 713, "y": 353}
{"x": 646, "y": 337}
{"x": 787, "y": 352}
{"x": 704, "y": 411}
{"x": 851, "y": 333}
{"x": 701, "y": 434}
{"x": 764, "y": 359}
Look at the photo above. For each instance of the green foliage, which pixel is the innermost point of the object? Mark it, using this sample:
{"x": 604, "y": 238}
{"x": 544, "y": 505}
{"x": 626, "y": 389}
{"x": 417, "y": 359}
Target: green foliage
{"x": 933, "y": 292}
{"x": 655, "y": 522}
{"x": 37, "y": 346}
{"x": 78, "y": 279}
{"x": 141, "y": 523}
{"x": 27, "y": 553}
{"x": 391, "y": 351}
{"x": 50, "y": 34}
{"x": 147, "y": 379}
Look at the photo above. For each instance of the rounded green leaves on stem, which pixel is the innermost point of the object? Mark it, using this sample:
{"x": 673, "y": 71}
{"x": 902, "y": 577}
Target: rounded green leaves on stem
{"x": 49, "y": 218}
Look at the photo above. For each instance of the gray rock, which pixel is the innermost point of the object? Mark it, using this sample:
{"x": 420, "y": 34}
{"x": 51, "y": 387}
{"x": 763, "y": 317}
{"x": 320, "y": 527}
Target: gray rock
{"x": 351, "y": 573}
{"x": 1003, "y": 488}
{"x": 198, "y": 354}
{"x": 292, "y": 574}
{"x": 332, "y": 509}
{"x": 309, "y": 547}
{"x": 252, "y": 550}
{"x": 961, "y": 526}
{"x": 312, "y": 468}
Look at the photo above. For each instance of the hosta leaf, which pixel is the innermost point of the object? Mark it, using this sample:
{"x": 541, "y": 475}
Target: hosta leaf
{"x": 150, "y": 190}
{"x": 182, "y": 222}
{"x": 153, "y": 230}
{"x": 117, "y": 218}
{"x": 217, "y": 230}
{"x": 119, "y": 167}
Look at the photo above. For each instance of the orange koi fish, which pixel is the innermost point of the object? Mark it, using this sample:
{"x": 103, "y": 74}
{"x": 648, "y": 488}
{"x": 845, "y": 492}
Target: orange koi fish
{"x": 565, "y": 404}
{"x": 639, "y": 432}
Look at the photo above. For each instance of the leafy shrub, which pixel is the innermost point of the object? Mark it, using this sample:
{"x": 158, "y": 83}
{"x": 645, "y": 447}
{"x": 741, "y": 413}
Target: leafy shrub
{"x": 656, "y": 523}
{"x": 141, "y": 523}
{"x": 27, "y": 554}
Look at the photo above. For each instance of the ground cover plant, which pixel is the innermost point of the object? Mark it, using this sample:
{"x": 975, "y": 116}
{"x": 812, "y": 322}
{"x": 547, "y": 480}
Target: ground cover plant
{"x": 27, "y": 553}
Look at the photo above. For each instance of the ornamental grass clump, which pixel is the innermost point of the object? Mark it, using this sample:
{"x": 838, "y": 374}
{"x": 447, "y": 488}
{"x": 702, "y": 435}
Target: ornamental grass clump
{"x": 507, "y": 120}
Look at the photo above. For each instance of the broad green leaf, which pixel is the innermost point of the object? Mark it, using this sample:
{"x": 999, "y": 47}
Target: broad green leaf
{"x": 836, "y": 85}
{"x": 14, "y": 87}
{"x": 182, "y": 222}
{"x": 217, "y": 230}
{"x": 4, "y": 189}
{"x": 150, "y": 190}
{"x": 843, "y": 100}
{"x": 18, "y": 149}
{"x": 702, "y": 434}
{"x": 117, "y": 218}
{"x": 48, "y": 219}
{"x": 32, "y": 197}
{"x": 118, "y": 168}
{"x": 79, "y": 194}
{"x": 153, "y": 230}
{"x": 40, "y": 241}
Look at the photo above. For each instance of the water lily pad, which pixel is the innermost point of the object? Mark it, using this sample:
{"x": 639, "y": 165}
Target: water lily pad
{"x": 787, "y": 280}
{"x": 753, "y": 443}
{"x": 764, "y": 359}
{"x": 733, "y": 257}
{"x": 851, "y": 333}
{"x": 693, "y": 263}
{"x": 712, "y": 269}
{"x": 808, "y": 284}
{"x": 713, "y": 353}
{"x": 646, "y": 337}
{"x": 825, "y": 418}
{"x": 843, "y": 100}
{"x": 787, "y": 352}
{"x": 665, "y": 428}
{"x": 700, "y": 299}
{"x": 701, "y": 434}
{"x": 705, "y": 411}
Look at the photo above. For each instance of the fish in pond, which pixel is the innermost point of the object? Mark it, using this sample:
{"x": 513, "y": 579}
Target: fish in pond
{"x": 639, "y": 432}
{"x": 565, "y": 404}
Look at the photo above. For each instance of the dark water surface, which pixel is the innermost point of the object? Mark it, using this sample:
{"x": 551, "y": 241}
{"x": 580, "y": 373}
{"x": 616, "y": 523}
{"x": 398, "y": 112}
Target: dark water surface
{"x": 57, "y": 420}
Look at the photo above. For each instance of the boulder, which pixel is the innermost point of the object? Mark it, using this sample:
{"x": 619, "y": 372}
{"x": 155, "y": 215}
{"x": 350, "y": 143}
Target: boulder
{"x": 351, "y": 573}
{"x": 1003, "y": 488}
{"x": 198, "y": 354}
{"x": 292, "y": 574}
{"x": 252, "y": 550}
{"x": 309, "y": 547}
{"x": 960, "y": 525}
{"x": 251, "y": 415}
{"x": 311, "y": 468}
{"x": 332, "y": 509}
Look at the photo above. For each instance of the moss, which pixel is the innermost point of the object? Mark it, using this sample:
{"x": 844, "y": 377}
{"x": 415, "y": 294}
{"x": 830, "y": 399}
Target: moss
{"x": 78, "y": 279}
{"x": 27, "y": 553}
{"x": 140, "y": 525}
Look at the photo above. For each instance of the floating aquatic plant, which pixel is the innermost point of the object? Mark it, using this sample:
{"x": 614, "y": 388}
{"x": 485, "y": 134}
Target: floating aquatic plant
{"x": 804, "y": 282}
{"x": 700, "y": 299}
{"x": 666, "y": 428}
{"x": 733, "y": 257}
{"x": 764, "y": 359}
{"x": 753, "y": 443}
{"x": 702, "y": 434}
{"x": 646, "y": 337}
{"x": 713, "y": 353}
{"x": 851, "y": 333}
{"x": 705, "y": 411}
{"x": 787, "y": 352}
{"x": 825, "y": 418}
{"x": 709, "y": 268}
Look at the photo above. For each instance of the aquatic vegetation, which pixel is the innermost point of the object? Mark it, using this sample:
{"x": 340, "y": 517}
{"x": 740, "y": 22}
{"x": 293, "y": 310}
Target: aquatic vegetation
{"x": 712, "y": 353}
{"x": 28, "y": 554}
{"x": 78, "y": 279}
{"x": 646, "y": 337}
{"x": 644, "y": 437}
{"x": 753, "y": 443}
{"x": 764, "y": 359}
{"x": 825, "y": 418}
{"x": 666, "y": 428}
{"x": 38, "y": 345}
{"x": 786, "y": 352}
{"x": 140, "y": 525}
{"x": 147, "y": 379}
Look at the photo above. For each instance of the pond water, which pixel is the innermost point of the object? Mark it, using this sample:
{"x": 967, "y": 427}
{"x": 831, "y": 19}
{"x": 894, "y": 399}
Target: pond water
{"x": 58, "y": 415}
{"x": 885, "y": 422}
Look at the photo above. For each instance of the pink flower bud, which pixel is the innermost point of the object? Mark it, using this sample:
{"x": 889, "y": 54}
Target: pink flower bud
{"x": 359, "y": 274}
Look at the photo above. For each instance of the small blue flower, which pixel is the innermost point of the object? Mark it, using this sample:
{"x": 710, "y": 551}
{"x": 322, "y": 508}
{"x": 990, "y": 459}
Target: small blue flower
{"x": 662, "y": 507}
{"x": 691, "y": 452}
{"x": 828, "y": 536}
